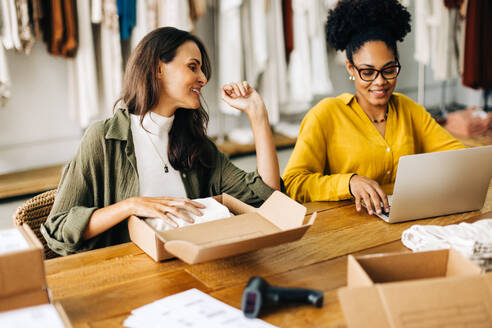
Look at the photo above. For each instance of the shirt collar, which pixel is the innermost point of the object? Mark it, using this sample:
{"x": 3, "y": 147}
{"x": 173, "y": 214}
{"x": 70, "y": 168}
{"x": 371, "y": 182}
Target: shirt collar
{"x": 346, "y": 98}
{"x": 155, "y": 123}
{"x": 118, "y": 126}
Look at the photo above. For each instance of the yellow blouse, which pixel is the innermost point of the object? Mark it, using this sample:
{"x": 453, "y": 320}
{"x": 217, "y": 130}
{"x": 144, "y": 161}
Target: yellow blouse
{"x": 337, "y": 139}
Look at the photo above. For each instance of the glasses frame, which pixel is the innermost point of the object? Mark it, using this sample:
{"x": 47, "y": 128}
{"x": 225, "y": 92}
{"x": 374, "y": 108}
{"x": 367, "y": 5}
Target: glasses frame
{"x": 379, "y": 71}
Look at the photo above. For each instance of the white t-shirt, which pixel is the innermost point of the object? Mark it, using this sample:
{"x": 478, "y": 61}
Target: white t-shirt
{"x": 154, "y": 181}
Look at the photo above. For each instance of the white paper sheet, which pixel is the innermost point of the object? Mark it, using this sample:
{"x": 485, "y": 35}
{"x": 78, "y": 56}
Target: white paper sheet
{"x": 213, "y": 211}
{"x": 11, "y": 240}
{"x": 40, "y": 316}
{"x": 191, "y": 308}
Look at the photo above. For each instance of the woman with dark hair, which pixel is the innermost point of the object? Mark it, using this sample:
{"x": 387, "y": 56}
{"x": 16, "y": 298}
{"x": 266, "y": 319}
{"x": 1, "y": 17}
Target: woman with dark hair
{"x": 153, "y": 156}
{"x": 349, "y": 146}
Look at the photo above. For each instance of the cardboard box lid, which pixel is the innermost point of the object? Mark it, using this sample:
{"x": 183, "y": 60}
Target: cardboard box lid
{"x": 23, "y": 270}
{"x": 278, "y": 220}
{"x": 426, "y": 289}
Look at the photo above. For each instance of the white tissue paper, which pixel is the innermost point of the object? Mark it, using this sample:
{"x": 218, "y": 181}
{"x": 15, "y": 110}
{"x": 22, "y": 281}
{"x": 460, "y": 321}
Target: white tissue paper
{"x": 472, "y": 240}
{"x": 213, "y": 211}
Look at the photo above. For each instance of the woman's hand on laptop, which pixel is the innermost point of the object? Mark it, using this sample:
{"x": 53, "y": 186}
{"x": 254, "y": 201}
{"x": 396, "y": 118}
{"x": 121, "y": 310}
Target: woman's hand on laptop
{"x": 369, "y": 191}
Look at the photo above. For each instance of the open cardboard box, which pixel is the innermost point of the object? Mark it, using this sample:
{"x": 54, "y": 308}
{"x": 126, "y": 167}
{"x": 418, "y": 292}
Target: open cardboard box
{"x": 22, "y": 277}
{"x": 424, "y": 289}
{"x": 279, "y": 220}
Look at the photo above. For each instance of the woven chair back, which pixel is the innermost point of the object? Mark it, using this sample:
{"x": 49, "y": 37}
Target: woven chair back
{"x": 34, "y": 212}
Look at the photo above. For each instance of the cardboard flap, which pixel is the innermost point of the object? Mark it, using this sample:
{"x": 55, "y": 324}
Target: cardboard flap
{"x": 446, "y": 302}
{"x": 193, "y": 253}
{"x": 356, "y": 276}
{"x": 232, "y": 229}
{"x": 458, "y": 265}
{"x": 312, "y": 218}
{"x": 405, "y": 266}
{"x": 291, "y": 214}
{"x": 234, "y": 205}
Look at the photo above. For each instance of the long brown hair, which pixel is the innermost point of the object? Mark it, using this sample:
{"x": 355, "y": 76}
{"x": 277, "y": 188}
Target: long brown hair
{"x": 142, "y": 88}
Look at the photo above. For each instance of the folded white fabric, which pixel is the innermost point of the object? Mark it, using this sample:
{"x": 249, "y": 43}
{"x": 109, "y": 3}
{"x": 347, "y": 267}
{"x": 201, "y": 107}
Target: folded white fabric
{"x": 213, "y": 211}
{"x": 472, "y": 240}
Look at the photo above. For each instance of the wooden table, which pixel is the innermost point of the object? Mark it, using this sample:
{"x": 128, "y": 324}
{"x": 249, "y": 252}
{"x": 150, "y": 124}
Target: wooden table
{"x": 99, "y": 288}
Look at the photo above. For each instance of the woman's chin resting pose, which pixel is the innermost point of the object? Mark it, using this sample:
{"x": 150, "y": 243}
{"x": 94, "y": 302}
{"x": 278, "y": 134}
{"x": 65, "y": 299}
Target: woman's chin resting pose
{"x": 153, "y": 156}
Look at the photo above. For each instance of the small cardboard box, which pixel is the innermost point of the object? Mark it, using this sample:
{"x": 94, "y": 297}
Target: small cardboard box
{"x": 22, "y": 276}
{"x": 279, "y": 220}
{"x": 23, "y": 279}
{"x": 424, "y": 289}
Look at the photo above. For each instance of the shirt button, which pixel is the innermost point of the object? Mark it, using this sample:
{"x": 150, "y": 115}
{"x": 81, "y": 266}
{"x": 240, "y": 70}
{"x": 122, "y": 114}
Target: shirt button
{"x": 184, "y": 175}
{"x": 388, "y": 172}
{"x": 388, "y": 149}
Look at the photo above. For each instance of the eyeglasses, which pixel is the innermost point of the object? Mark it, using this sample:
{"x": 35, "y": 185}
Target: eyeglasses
{"x": 370, "y": 74}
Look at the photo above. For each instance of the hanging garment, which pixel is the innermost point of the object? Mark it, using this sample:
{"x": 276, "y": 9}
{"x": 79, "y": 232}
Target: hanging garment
{"x": 111, "y": 58}
{"x": 247, "y": 45}
{"x": 320, "y": 75}
{"x": 96, "y": 11}
{"x": 258, "y": 36}
{"x": 308, "y": 67}
{"x": 11, "y": 29}
{"x": 6, "y": 30}
{"x": 288, "y": 27}
{"x": 438, "y": 38}
{"x": 299, "y": 69}
{"x": 447, "y": 43}
{"x": 229, "y": 48}
{"x": 146, "y": 20}
{"x": 127, "y": 13}
{"x": 70, "y": 42}
{"x": 422, "y": 31}
{"x": 54, "y": 36}
{"x": 82, "y": 81}
{"x": 175, "y": 13}
{"x": 273, "y": 85}
{"x": 477, "y": 70}
{"x": 254, "y": 39}
{"x": 198, "y": 9}
{"x": 4, "y": 78}
{"x": 453, "y": 3}
{"x": 26, "y": 36}
{"x": 37, "y": 18}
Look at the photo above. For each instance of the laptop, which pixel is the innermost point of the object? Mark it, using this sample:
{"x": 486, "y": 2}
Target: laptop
{"x": 440, "y": 183}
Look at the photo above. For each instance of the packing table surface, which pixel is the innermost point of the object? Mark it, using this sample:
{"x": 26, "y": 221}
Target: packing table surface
{"x": 100, "y": 288}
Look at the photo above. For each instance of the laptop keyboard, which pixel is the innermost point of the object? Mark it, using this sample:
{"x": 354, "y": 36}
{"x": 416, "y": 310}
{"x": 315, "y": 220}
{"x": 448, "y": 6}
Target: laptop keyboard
{"x": 384, "y": 215}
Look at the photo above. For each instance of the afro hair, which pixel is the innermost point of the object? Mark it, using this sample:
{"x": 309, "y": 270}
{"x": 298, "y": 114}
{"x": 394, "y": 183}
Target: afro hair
{"x": 352, "y": 17}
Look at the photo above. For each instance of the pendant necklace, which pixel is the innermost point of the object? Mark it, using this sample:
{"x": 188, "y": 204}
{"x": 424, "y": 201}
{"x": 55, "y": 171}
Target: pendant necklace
{"x": 164, "y": 164}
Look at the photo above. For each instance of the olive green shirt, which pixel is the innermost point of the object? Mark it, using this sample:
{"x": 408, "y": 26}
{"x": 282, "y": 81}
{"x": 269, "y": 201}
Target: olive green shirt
{"x": 104, "y": 171}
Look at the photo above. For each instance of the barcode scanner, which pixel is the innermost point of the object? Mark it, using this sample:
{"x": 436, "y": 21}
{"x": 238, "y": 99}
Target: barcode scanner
{"x": 258, "y": 293}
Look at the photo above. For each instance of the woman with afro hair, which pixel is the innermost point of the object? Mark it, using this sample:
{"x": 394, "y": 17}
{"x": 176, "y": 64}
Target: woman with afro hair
{"x": 349, "y": 146}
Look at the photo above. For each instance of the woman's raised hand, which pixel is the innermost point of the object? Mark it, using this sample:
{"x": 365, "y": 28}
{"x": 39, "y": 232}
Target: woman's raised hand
{"x": 160, "y": 207}
{"x": 244, "y": 97}
{"x": 369, "y": 191}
